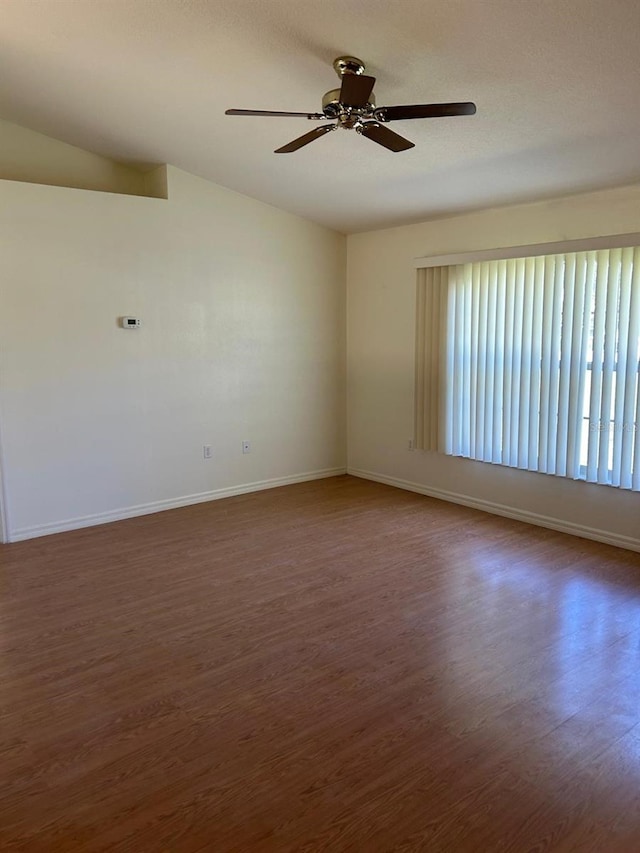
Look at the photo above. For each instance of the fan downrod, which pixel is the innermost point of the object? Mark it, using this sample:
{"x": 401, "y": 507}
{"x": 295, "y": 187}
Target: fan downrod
{"x": 348, "y": 65}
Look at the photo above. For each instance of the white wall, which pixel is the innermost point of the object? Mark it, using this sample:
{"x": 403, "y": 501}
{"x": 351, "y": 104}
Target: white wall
{"x": 243, "y": 337}
{"x": 242, "y": 308}
{"x": 380, "y": 335}
{"x": 29, "y": 156}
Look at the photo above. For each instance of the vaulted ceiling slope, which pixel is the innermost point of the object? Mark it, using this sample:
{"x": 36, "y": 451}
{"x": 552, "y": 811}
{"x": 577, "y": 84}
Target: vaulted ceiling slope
{"x": 557, "y": 86}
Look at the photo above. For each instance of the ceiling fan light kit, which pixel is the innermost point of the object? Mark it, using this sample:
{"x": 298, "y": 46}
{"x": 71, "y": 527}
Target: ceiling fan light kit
{"x": 353, "y": 107}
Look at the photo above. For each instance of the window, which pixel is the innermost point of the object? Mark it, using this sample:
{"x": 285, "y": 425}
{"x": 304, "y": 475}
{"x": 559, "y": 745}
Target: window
{"x": 533, "y": 363}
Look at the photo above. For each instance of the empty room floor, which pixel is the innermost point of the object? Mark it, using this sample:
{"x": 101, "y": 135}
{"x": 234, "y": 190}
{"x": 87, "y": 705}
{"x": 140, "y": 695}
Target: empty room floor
{"x": 330, "y": 666}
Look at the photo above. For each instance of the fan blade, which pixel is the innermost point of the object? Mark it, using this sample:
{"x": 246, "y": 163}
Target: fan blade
{"x": 316, "y": 133}
{"x": 272, "y": 113}
{"x": 356, "y": 90}
{"x": 383, "y": 136}
{"x": 399, "y": 113}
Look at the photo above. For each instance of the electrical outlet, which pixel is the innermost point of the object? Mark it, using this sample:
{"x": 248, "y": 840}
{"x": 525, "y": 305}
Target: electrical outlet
{"x": 206, "y": 451}
{"x": 410, "y": 445}
{"x": 246, "y": 447}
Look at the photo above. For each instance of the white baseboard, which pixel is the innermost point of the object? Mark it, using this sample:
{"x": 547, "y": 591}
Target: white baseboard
{"x": 172, "y": 503}
{"x": 584, "y": 532}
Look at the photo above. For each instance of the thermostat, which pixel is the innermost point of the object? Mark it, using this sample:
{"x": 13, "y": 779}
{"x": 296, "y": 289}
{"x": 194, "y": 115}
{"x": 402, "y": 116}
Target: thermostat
{"x": 130, "y": 322}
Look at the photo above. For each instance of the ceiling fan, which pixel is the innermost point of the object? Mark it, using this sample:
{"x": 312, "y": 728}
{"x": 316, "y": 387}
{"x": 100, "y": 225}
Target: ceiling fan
{"x": 353, "y": 107}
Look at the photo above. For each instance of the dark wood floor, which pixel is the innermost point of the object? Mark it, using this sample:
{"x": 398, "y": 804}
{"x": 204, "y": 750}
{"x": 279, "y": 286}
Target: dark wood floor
{"x": 332, "y": 666}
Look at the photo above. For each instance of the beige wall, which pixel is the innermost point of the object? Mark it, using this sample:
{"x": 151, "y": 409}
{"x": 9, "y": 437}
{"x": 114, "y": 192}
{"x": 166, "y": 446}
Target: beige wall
{"x": 243, "y": 337}
{"x": 380, "y": 334}
{"x": 32, "y": 157}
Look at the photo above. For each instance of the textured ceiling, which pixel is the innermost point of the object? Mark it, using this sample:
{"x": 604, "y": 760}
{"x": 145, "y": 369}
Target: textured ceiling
{"x": 557, "y": 84}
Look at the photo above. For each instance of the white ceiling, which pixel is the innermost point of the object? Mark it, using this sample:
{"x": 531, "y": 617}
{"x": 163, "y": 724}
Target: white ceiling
{"x": 556, "y": 82}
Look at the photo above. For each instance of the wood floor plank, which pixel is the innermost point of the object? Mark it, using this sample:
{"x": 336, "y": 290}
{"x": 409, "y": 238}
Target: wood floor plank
{"x": 336, "y": 665}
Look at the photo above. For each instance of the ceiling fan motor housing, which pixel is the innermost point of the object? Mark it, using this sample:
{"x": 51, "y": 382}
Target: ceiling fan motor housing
{"x": 332, "y": 107}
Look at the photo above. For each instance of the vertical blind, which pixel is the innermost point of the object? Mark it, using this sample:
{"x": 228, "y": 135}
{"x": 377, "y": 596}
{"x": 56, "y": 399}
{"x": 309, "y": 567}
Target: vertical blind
{"x": 533, "y": 363}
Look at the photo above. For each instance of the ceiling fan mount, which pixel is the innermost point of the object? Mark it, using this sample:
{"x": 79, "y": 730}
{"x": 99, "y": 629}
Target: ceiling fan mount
{"x": 353, "y": 107}
{"x": 348, "y": 65}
